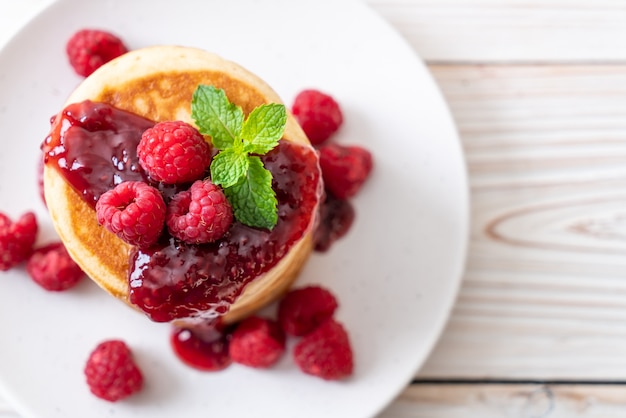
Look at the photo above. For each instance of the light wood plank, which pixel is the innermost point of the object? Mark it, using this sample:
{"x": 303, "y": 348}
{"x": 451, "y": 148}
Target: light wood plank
{"x": 509, "y": 401}
{"x": 544, "y": 295}
{"x": 510, "y": 31}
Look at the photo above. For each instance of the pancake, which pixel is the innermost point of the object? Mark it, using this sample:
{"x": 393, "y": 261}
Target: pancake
{"x": 157, "y": 83}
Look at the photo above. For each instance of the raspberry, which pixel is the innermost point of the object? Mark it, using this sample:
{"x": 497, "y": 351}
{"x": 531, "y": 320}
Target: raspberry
{"x": 318, "y": 114}
{"x": 344, "y": 169}
{"x": 257, "y": 342}
{"x": 302, "y": 310}
{"x": 111, "y": 371}
{"x": 89, "y": 49}
{"x": 52, "y": 268}
{"x": 16, "y": 239}
{"x": 174, "y": 152}
{"x": 134, "y": 211}
{"x": 325, "y": 352}
{"x": 199, "y": 215}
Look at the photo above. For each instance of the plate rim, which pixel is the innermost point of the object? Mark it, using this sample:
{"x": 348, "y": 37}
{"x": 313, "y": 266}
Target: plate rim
{"x": 465, "y": 221}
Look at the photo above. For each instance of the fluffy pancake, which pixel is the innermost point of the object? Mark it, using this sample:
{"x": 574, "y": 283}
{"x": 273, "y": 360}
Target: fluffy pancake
{"x": 158, "y": 83}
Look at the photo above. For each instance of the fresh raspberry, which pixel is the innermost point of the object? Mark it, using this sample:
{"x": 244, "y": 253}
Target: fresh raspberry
{"x": 257, "y": 342}
{"x": 52, "y": 268}
{"x": 174, "y": 152}
{"x": 16, "y": 239}
{"x": 325, "y": 352}
{"x": 318, "y": 114}
{"x": 134, "y": 211}
{"x": 111, "y": 371}
{"x": 302, "y": 310}
{"x": 344, "y": 169}
{"x": 89, "y": 49}
{"x": 199, "y": 215}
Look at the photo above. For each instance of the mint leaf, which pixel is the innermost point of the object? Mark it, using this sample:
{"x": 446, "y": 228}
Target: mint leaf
{"x": 252, "y": 198}
{"x": 228, "y": 167}
{"x": 246, "y": 182}
{"x": 263, "y": 128}
{"x": 216, "y": 116}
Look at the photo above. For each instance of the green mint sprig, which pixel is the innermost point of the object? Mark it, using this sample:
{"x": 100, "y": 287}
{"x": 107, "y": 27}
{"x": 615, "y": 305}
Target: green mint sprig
{"x": 237, "y": 167}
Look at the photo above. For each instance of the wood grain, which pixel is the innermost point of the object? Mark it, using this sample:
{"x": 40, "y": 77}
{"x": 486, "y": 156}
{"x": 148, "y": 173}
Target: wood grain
{"x": 509, "y": 401}
{"x": 544, "y": 295}
{"x": 553, "y": 31}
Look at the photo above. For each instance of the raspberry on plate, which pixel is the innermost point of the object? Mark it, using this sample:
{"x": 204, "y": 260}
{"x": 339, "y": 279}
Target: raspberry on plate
{"x": 111, "y": 371}
{"x": 303, "y": 309}
{"x": 89, "y": 49}
{"x": 174, "y": 152}
{"x": 52, "y": 268}
{"x": 134, "y": 211}
{"x": 257, "y": 342}
{"x": 318, "y": 114}
{"x": 16, "y": 239}
{"x": 325, "y": 352}
{"x": 199, "y": 215}
{"x": 344, "y": 169}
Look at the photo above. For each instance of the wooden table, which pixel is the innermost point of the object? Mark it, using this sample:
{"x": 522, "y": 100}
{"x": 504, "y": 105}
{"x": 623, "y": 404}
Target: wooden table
{"x": 538, "y": 90}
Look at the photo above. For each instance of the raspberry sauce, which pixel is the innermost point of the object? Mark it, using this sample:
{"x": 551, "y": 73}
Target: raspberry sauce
{"x": 336, "y": 217}
{"x": 177, "y": 280}
{"x": 94, "y": 147}
{"x": 202, "y": 349}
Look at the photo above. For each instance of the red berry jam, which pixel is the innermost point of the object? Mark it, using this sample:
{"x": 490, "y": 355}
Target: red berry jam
{"x": 94, "y": 147}
{"x": 205, "y": 349}
{"x": 177, "y": 280}
{"x": 336, "y": 217}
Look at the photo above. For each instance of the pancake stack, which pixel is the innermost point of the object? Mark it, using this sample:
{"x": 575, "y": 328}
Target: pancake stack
{"x": 158, "y": 83}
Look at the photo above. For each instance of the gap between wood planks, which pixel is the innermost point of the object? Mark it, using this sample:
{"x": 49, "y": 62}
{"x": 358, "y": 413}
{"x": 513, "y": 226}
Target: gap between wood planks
{"x": 568, "y": 382}
{"x": 525, "y": 63}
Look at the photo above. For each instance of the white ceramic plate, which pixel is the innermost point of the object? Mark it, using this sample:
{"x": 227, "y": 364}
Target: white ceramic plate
{"x": 396, "y": 274}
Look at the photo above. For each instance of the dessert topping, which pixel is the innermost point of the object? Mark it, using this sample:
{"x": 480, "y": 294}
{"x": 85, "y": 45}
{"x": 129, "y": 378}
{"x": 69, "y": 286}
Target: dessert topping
{"x": 344, "y": 168}
{"x": 318, "y": 114}
{"x": 206, "y": 350}
{"x": 325, "y": 352}
{"x": 173, "y": 152}
{"x": 303, "y": 309}
{"x": 237, "y": 167}
{"x": 336, "y": 217}
{"x": 257, "y": 342}
{"x": 89, "y": 49}
{"x": 111, "y": 371}
{"x": 134, "y": 211}
{"x": 176, "y": 280}
{"x": 199, "y": 215}
{"x": 16, "y": 239}
{"x": 94, "y": 145}
{"x": 52, "y": 268}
